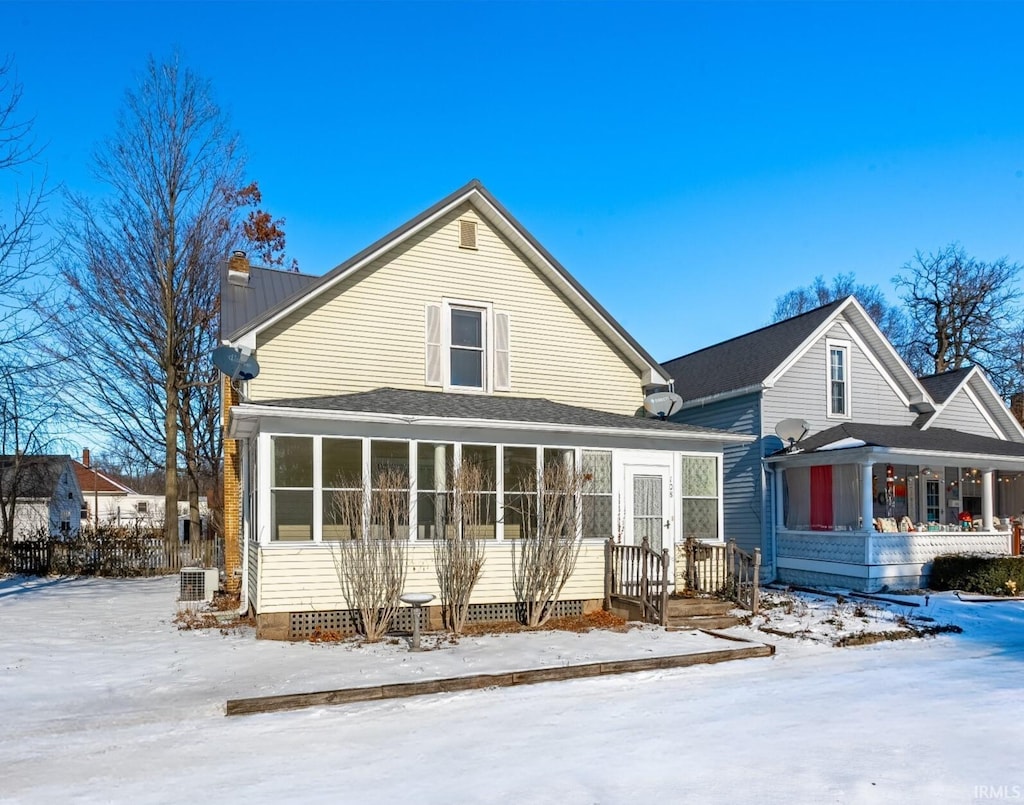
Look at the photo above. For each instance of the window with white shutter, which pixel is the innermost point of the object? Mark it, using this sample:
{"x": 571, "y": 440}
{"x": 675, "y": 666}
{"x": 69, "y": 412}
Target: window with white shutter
{"x": 434, "y": 346}
{"x": 467, "y": 347}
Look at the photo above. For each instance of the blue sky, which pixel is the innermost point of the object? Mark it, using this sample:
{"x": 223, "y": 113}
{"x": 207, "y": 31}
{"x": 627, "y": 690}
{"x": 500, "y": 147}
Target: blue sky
{"x": 687, "y": 162}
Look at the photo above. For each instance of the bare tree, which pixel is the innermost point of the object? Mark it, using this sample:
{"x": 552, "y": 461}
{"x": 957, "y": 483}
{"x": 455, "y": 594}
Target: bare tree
{"x": 545, "y": 558}
{"x": 142, "y": 267}
{"x": 889, "y": 318}
{"x": 27, "y": 413}
{"x": 962, "y": 311}
{"x": 371, "y": 563}
{"x": 458, "y": 552}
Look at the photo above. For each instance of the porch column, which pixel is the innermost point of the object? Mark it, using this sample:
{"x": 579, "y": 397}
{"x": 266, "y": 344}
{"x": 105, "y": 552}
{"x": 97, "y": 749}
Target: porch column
{"x": 987, "y": 490}
{"x": 867, "y": 502}
{"x": 780, "y": 515}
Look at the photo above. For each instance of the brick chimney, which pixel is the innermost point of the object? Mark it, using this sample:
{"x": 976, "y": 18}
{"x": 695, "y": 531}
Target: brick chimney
{"x": 85, "y": 457}
{"x": 1017, "y": 406}
{"x": 238, "y": 268}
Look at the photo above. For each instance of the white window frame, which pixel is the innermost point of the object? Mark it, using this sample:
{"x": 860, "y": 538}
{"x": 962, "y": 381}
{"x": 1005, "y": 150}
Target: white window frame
{"x": 486, "y": 311}
{"x": 834, "y": 345}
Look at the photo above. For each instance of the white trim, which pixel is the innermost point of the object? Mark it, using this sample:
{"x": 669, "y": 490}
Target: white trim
{"x": 984, "y": 414}
{"x": 1004, "y": 411}
{"x": 845, "y": 348}
{"x": 700, "y": 402}
{"x": 254, "y": 411}
{"x": 873, "y": 360}
{"x": 940, "y": 407}
{"x": 823, "y": 328}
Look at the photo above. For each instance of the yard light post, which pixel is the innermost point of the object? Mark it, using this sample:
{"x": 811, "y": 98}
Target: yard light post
{"x": 416, "y": 601}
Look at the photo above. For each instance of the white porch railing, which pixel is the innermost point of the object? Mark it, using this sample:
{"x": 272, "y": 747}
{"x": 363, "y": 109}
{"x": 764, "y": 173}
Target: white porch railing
{"x": 874, "y": 559}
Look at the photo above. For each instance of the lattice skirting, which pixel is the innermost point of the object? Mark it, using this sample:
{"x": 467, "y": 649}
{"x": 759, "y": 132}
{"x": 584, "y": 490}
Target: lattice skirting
{"x": 304, "y": 625}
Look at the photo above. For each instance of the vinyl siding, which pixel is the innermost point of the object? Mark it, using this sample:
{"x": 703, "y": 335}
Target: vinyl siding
{"x": 802, "y": 391}
{"x": 960, "y": 413}
{"x": 305, "y": 580}
{"x": 741, "y": 466}
{"x": 368, "y": 331}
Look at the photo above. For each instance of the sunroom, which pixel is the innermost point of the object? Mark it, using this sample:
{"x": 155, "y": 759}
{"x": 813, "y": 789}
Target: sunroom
{"x": 642, "y": 478}
{"x": 870, "y": 506}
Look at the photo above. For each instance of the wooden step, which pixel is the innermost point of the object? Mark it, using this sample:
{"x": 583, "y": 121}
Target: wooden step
{"x": 689, "y": 624}
{"x": 691, "y": 607}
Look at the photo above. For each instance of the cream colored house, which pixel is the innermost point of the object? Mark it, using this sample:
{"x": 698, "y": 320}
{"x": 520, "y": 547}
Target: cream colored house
{"x": 456, "y": 337}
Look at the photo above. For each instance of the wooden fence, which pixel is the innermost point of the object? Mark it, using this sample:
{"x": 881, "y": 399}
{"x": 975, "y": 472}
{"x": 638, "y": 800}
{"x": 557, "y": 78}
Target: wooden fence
{"x": 639, "y": 573}
{"x": 110, "y": 556}
{"x": 724, "y": 570}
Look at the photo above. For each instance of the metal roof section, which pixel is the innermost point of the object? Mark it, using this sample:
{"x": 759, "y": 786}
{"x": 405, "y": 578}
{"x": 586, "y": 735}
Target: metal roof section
{"x": 267, "y": 288}
{"x": 249, "y": 317}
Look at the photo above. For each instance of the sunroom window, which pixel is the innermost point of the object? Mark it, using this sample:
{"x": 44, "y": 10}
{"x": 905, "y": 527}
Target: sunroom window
{"x": 291, "y": 488}
{"x": 597, "y": 493}
{"x": 700, "y": 497}
{"x": 342, "y": 482}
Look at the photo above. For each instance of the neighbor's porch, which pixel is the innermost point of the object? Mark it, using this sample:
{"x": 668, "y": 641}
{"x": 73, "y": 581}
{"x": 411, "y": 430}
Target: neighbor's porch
{"x": 913, "y": 512}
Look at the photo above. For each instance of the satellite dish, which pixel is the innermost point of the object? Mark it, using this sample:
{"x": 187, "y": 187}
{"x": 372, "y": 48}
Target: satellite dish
{"x": 662, "y": 403}
{"x": 236, "y": 362}
{"x": 792, "y": 431}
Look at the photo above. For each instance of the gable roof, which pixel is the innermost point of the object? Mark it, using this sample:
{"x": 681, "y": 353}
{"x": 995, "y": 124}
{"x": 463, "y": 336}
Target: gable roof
{"x": 95, "y": 481}
{"x": 744, "y": 362}
{"x": 247, "y": 317}
{"x": 941, "y": 386}
{"x": 36, "y": 477}
{"x": 418, "y": 406}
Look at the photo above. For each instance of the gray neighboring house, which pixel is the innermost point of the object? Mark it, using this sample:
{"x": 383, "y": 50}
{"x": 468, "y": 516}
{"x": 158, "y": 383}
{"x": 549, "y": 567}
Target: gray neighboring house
{"x": 39, "y": 493}
{"x": 893, "y": 468}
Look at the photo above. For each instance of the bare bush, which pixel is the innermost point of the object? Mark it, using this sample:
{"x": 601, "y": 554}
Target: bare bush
{"x": 458, "y": 555}
{"x": 545, "y": 558}
{"x": 371, "y": 564}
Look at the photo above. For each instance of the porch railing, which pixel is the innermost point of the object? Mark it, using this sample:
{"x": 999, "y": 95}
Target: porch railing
{"x": 639, "y": 574}
{"x": 723, "y": 569}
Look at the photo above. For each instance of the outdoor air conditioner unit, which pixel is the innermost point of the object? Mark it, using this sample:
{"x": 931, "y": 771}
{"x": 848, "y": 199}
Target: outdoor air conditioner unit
{"x": 198, "y": 584}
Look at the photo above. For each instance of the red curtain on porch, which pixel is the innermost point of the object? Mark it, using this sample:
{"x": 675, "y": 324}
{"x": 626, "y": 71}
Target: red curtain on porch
{"x": 821, "y": 498}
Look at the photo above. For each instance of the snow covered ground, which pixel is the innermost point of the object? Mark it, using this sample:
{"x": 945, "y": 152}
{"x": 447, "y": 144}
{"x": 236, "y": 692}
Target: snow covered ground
{"x": 103, "y": 699}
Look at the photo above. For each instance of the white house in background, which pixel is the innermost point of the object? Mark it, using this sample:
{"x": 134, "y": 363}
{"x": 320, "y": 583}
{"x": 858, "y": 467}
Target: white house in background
{"x": 45, "y": 493}
{"x": 456, "y": 337}
{"x": 890, "y": 467}
{"x": 118, "y": 504}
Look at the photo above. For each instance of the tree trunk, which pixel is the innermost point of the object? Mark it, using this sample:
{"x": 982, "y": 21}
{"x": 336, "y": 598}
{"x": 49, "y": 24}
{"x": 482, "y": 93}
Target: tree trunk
{"x": 171, "y": 458}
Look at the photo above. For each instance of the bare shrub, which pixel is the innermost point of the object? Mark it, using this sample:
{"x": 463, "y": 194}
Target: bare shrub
{"x": 371, "y": 565}
{"x": 458, "y": 555}
{"x": 545, "y": 558}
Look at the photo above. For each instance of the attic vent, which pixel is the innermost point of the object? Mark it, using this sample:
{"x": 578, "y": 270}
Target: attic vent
{"x": 467, "y": 234}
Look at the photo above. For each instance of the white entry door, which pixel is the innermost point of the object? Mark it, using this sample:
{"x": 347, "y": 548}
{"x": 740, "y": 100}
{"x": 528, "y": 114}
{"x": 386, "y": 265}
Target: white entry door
{"x": 649, "y": 508}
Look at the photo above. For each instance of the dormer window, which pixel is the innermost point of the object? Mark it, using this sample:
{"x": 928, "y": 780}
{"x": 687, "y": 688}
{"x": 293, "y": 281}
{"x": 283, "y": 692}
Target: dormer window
{"x": 838, "y": 379}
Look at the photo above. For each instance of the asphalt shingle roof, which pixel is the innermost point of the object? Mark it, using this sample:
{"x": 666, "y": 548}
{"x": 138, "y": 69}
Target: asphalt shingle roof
{"x": 940, "y": 386}
{"x": 908, "y": 437}
{"x": 403, "y": 402}
{"x": 743, "y": 361}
